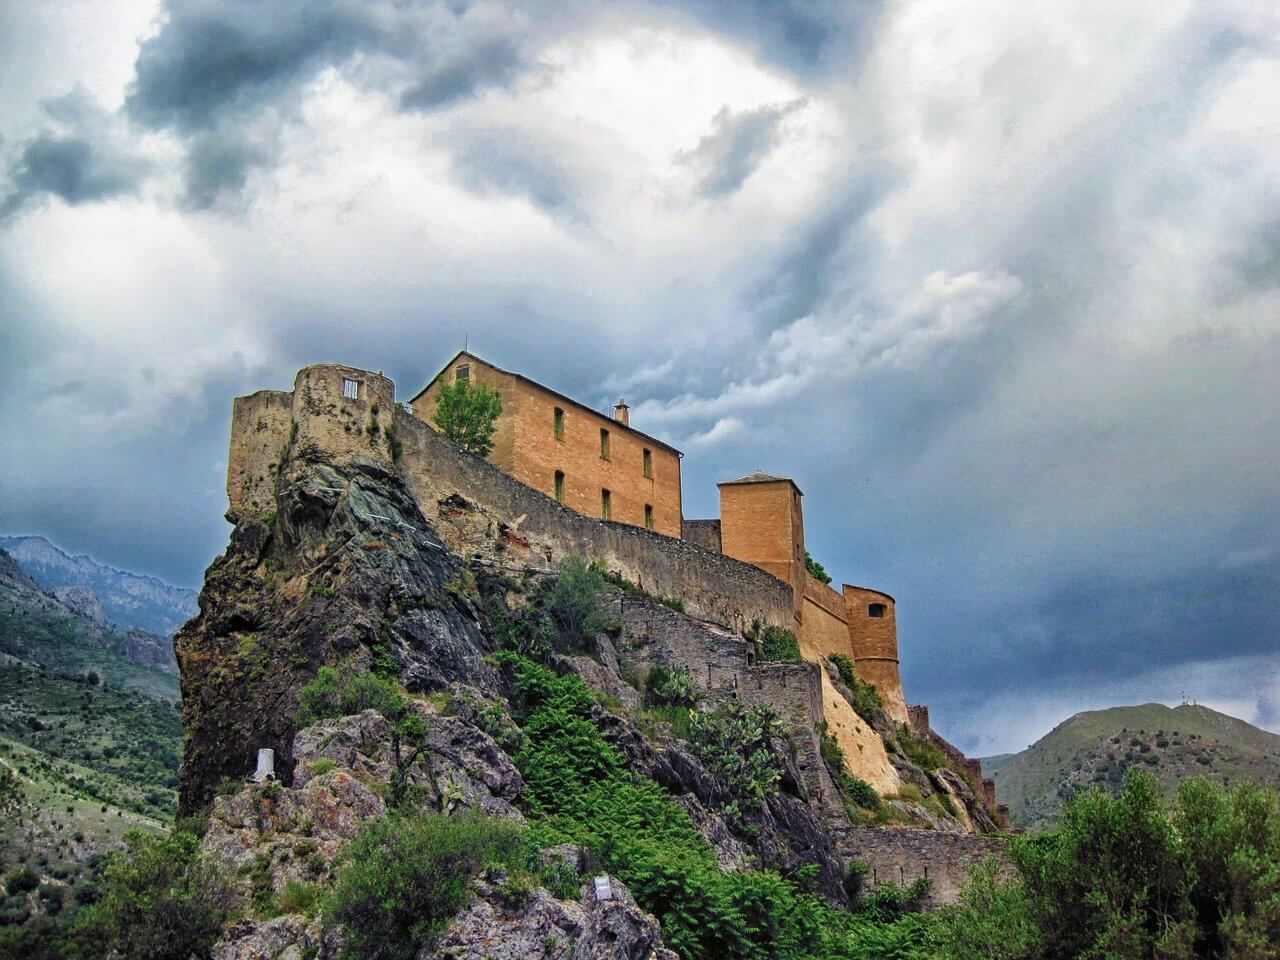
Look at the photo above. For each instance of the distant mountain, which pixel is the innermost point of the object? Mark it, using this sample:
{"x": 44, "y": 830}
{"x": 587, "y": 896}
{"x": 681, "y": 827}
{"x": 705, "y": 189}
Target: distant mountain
{"x": 125, "y": 600}
{"x": 1096, "y": 748}
{"x": 39, "y": 630}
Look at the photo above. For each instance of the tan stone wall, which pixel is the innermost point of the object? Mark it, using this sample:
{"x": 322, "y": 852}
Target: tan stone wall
{"x": 762, "y": 524}
{"x": 259, "y": 435}
{"x": 874, "y": 642}
{"x": 525, "y": 446}
{"x": 823, "y": 628}
{"x": 864, "y": 752}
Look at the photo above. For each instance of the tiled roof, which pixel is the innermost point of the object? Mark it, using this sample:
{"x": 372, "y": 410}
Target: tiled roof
{"x": 758, "y": 477}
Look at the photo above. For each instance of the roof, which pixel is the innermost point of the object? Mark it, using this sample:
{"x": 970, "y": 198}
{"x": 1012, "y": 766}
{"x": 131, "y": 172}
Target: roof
{"x": 760, "y": 477}
{"x": 878, "y": 593}
{"x": 555, "y": 393}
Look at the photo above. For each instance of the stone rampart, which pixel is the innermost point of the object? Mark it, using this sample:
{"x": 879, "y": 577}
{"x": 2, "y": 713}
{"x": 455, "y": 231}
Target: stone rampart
{"x": 705, "y": 533}
{"x": 902, "y": 855}
{"x": 824, "y": 629}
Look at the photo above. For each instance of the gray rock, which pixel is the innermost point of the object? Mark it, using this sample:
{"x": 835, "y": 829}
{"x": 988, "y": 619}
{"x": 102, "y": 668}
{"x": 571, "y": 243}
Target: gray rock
{"x": 285, "y": 938}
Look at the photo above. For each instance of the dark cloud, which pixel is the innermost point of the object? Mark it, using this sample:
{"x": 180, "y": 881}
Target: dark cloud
{"x": 217, "y": 164}
{"x": 492, "y": 62}
{"x": 735, "y": 147}
{"x": 77, "y": 160}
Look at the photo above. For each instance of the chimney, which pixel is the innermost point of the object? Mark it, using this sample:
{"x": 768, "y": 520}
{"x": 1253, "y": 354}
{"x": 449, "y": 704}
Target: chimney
{"x": 621, "y": 412}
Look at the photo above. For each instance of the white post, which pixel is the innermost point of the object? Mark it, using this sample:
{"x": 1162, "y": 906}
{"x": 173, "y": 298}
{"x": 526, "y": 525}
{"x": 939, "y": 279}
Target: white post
{"x": 266, "y": 765}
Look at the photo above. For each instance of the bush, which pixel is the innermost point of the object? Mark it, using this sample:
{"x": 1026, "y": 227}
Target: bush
{"x": 467, "y": 414}
{"x": 737, "y": 747}
{"x": 779, "y": 646}
{"x": 669, "y": 687}
{"x": 816, "y": 569}
{"x": 346, "y": 691}
{"x": 160, "y": 901}
{"x": 924, "y": 754}
{"x": 570, "y": 605}
{"x": 856, "y": 790}
{"x": 404, "y": 877}
{"x": 21, "y": 880}
{"x": 866, "y": 700}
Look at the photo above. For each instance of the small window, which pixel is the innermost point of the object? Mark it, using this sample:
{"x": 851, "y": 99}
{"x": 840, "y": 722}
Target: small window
{"x": 560, "y": 485}
{"x": 875, "y": 610}
{"x": 604, "y": 444}
{"x": 557, "y": 423}
{"x": 606, "y": 504}
{"x": 350, "y": 388}
{"x": 648, "y": 463}
{"x": 463, "y": 372}
{"x": 648, "y": 516}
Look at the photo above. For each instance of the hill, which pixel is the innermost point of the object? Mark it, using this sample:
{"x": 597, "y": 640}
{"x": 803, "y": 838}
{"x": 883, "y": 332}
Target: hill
{"x": 38, "y": 629}
{"x": 125, "y": 600}
{"x": 1097, "y": 747}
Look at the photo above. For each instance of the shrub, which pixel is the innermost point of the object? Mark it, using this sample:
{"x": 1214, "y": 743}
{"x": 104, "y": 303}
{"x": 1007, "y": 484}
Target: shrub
{"x": 924, "y": 754}
{"x": 737, "y": 746}
{"x": 160, "y": 901}
{"x": 21, "y": 880}
{"x": 991, "y": 919}
{"x": 779, "y": 646}
{"x": 866, "y": 700}
{"x": 467, "y": 414}
{"x": 816, "y": 569}
{"x": 669, "y": 687}
{"x": 346, "y": 691}
{"x": 405, "y": 876}
{"x": 566, "y": 612}
{"x": 856, "y": 790}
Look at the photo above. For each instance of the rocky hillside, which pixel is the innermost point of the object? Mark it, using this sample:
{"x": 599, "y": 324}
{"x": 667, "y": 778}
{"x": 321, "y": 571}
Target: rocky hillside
{"x": 126, "y": 601}
{"x": 40, "y": 629}
{"x": 1096, "y": 748}
{"x": 553, "y": 696}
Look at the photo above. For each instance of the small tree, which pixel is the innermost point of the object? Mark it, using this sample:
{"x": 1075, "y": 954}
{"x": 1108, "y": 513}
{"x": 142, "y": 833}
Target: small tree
{"x": 467, "y": 414}
{"x": 816, "y": 570}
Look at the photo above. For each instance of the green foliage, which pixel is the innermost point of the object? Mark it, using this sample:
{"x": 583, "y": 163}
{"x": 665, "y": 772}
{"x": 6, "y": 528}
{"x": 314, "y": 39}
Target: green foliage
{"x": 856, "y": 790}
{"x": 21, "y": 880}
{"x": 992, "y": 919}
{"x": 565, "y": 614}
{"x": 405, "y": 876}
{"x": 816, "y": 569}
{"x": 161, "y": 901}
{"x": 578, "y": 789}
{"x": 866, "y": 700}
{"x": 669, "y": 687}
{"x": 467, "y": 414}
{"x": 924, "y": 754}
{"x": 737, "y": 746}
{"x": 344, "y": 691}
{"x": 779, "y": 646}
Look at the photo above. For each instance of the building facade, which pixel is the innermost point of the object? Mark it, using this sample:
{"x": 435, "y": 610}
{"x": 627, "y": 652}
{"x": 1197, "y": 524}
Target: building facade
{"x": 597, "y": 465}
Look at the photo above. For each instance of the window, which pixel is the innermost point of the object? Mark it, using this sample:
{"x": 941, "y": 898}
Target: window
{"x": 350, "y": 388}
{"x": 557, "y": 423}
{"x": 606, "y": 504}
{"x": 875, "y": 610}
{"x": 560, "y": 485}
{"x": 648, "y": 516}
{"x": 648, "y": 462}
{"x": 604, "y": 444}
{"x": 463, "y": 372}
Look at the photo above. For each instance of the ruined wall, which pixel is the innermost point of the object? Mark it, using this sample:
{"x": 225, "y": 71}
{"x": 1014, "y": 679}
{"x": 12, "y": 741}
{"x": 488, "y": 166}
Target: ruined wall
{"x": 705, "y": 533}
{"x": 874, "y": 641}
{"x": 902, "y": 855}
{"x": 823, "y": 628}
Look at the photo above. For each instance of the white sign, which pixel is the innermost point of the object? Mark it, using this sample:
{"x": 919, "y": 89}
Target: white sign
{"x": 604, "y": 889}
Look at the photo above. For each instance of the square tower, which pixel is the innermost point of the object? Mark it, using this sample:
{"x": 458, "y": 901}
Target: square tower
{"x": 762, "y": 523}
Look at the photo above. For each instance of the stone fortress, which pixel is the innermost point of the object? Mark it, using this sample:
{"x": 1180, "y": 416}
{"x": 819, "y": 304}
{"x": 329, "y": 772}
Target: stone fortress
{"x": 563, "y": 479}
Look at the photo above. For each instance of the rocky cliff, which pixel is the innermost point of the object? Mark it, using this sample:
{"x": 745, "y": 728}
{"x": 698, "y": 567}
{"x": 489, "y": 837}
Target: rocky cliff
{"x": 341, "y": 568}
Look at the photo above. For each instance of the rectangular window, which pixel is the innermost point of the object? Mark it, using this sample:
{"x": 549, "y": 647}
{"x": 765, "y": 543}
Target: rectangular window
{"x": 463, "y": 372}
{"x": 560, "y": 485}
{"x": 648, "y": 463}
{"x": 604, "y": 444}
{"x": 648, "y": 516}
{"x": 606, "y": 505}
{"x": 557, "y": 423}
{"x": 350, "y": 388}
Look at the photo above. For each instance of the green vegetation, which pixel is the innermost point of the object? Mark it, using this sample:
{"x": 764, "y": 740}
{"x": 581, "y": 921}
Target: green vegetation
{"x": 866, "y": 700}
{"x": 816, "y": 569}
{"x": 467, "y": 414}
{"x": 405, "y": 876}
{"x": 1132, "y": 877}
{"x": 736, "y": 744}
{"x": 161, "y": 901}
{"x": 924, "y": 754}
{"x": 343, "y": 691}
{"x": 854, "y": 789}
{"x": 669, "y": 687}
{"x": 69, "y": 645}
{"x": 779, "y": 646}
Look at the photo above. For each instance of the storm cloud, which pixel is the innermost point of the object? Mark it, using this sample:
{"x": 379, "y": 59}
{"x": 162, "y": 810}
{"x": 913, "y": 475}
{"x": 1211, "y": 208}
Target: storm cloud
{"x": 1000, "y": 291}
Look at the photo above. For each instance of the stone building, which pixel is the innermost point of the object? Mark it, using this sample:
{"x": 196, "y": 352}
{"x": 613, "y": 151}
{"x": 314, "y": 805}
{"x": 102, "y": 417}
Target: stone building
{"x": 599, "y": 466}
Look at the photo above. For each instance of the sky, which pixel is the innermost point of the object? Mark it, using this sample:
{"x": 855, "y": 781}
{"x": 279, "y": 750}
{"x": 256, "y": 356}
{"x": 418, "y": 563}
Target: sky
{"x": 997, "y": 283}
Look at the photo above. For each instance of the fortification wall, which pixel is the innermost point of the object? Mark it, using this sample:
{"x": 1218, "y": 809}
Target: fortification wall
{"x": 823, "y": 628}
{"x": 713, "y": 587}
{"x": 873, "y": 636}
{"x": 903, "y": 855}
{"x": 705, "y": 533}
{"x": 260, "y": 429}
